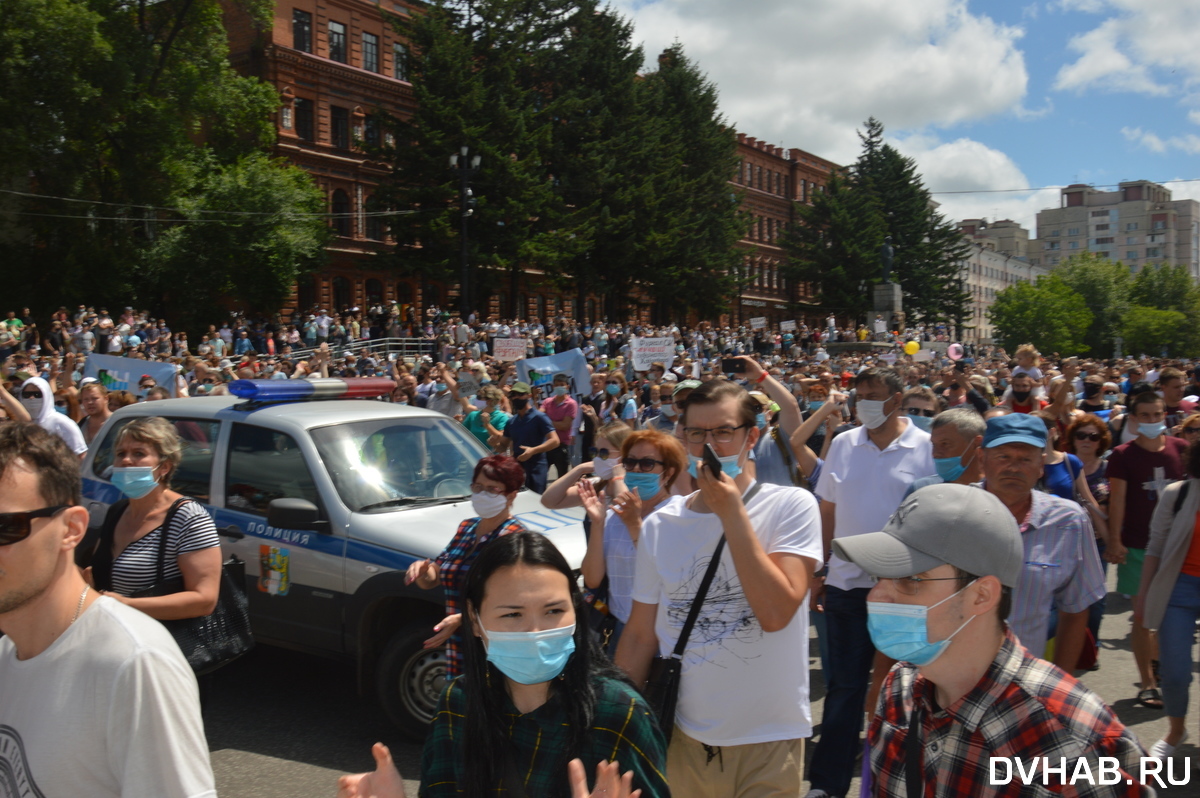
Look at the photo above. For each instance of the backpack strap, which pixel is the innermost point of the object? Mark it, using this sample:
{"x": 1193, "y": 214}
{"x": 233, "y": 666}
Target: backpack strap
{"x": 1182, "y": 495}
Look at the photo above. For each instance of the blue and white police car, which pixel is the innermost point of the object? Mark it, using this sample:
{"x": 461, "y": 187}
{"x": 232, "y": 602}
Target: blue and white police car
{"x": 328, "y": 497}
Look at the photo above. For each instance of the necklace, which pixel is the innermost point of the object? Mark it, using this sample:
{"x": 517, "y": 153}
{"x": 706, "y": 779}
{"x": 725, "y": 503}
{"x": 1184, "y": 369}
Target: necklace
{"x": 79, "y": 608}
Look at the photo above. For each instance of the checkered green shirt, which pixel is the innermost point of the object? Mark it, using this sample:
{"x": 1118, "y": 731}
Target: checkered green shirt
{"x": 624, "y": 729}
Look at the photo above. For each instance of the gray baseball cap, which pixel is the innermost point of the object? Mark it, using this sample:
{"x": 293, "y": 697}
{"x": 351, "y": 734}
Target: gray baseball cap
{"x": 942, "y": 524}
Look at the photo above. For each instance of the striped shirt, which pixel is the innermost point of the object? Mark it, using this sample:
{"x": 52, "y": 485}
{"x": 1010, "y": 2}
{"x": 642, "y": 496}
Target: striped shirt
{"x": 620, "y": 564}
{"x": 136, "y": 568}
{"x": 1023, "y": 707}
{"x": 1062, "y": 570}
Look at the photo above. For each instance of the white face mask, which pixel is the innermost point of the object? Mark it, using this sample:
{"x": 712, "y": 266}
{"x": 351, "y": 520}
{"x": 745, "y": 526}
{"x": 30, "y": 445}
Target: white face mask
{"x": 870, "y": 412}
{"x": 603, "y": 468}
{"x": 489, "y": 505}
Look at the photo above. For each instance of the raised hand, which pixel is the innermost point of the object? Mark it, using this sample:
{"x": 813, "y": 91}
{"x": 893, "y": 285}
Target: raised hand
{"x": 609, "y": 781}
{"x": 384, "y": 782}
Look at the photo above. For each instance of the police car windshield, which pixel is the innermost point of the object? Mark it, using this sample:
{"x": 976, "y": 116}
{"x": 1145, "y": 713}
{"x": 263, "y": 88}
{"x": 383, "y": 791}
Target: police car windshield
{"x": 394, "y": 464}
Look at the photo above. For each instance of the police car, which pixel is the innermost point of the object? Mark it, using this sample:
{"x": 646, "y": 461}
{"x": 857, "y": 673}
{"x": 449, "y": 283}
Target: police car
{"x": 328, "y": 498}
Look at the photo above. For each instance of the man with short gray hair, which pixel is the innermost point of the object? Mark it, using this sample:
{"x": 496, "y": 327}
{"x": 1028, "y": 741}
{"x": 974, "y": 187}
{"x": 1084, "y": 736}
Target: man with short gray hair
{"x": 956, "y": 435}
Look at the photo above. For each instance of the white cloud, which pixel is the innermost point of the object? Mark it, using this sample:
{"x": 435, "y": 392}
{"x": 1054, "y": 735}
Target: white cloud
{"x": 1189, "y": 143}
{"x": 964, "y": 165}
{"x": 807, "y": 73}
{"x": 1194, "y": 117}
{"x": 1144, "y": 47}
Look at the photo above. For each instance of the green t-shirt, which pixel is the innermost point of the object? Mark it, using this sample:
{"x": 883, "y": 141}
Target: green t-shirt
{"x": 474, "y": 423}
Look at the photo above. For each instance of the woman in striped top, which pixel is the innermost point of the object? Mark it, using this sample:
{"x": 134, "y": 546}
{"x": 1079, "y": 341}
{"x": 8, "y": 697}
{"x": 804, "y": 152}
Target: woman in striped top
{"x": 146, "y": 454}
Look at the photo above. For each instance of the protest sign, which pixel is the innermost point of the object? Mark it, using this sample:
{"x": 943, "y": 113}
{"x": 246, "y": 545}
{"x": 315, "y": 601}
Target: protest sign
{"x": 122, "y": 373}
{"x": 509, "y": 349}
{"x": 787, "y": 326}
{"x": 758, "y": 322}
{"x": 652, "y": 350}
{"x": 541, "y": 370}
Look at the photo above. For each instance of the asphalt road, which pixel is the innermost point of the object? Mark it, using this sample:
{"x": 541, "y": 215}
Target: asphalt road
{"x": 286, "y": 725}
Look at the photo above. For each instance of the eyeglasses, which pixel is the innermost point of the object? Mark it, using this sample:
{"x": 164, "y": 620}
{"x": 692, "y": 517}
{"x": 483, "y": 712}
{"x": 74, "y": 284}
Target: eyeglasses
{"x": 477, "y": 487}
{"x": 612, "y": 382}
{"x": 1190, "y": 429}
{"x": 641, "y": 463}
{"x": 909, "y": 585}
{"x": 31, "y": 394}
{"x": 15, "y": 527}
{"x": 916, "y": 411}
{"x": 60, "y": 402}
{"x": 603, "y": 454}
{"x": 1110, "y": 393}
{"x": 1087, "y": 436}
{"x": 719, "y": 434}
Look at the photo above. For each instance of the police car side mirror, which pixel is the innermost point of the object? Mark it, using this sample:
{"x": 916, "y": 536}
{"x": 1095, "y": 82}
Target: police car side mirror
{"x": 298, "y": 514}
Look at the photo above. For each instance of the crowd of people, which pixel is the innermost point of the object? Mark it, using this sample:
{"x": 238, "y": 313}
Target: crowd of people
{"x": 944, "y": 521}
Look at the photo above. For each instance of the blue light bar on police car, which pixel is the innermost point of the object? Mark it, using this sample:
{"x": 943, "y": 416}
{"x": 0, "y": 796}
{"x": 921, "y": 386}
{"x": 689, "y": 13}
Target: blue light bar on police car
{"x": 309, "y": 390}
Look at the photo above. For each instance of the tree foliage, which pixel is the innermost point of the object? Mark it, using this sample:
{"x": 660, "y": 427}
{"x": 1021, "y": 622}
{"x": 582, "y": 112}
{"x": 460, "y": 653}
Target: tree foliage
{"x": 118, "y": 107}
{"x": 1048, "y": 314}
{"x": 833, "y": 247}
{"x": 599, "y": 178}
{"x": 885, "y": 191}
{"x": 1104, "y": 286}
{"x": 1155, "y": 332}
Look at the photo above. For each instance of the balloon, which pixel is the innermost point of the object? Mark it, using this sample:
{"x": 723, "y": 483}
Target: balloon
{"x": 911, "y": 348}
{"x": 954, "y": 352}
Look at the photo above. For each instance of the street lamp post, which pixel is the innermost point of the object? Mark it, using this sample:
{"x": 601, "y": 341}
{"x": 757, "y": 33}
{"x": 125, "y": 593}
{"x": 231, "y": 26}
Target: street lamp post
{"x": 467, "y": 168}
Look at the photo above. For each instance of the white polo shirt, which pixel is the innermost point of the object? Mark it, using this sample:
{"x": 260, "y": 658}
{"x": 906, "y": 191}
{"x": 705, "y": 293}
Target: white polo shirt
{"x": 867, "y": 485}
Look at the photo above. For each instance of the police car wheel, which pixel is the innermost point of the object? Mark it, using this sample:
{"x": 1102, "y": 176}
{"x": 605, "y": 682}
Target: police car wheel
{"x": 410, "y": 680}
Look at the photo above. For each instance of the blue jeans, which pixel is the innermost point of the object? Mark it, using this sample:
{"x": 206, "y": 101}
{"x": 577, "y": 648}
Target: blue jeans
{"x": 1175, "y": 644}
{"x": 850, "y": 656}
{"x": 1096, "y": 611}
{"x": 535, "y": 473}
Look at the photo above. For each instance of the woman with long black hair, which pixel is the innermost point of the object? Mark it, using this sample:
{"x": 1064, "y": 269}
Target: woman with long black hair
{"x": 538, "y": 706}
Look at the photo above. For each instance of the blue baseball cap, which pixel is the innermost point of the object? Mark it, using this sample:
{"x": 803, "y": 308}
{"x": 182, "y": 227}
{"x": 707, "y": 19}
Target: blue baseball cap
{"x": 1015, "y": 428}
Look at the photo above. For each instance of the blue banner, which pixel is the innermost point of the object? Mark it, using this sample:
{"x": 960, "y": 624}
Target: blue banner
{"x": 541, "y": 370}
{"x": 122, "y": 373}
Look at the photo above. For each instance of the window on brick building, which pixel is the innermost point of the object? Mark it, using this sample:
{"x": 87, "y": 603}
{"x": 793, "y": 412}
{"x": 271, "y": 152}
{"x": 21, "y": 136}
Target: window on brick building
{"x": 304, "y": 119}
{"x": 400, "y": 61}
{"x": 339, "y": 206}
{"x": 371, "y": 131}
{"x": 375, "y": 225}
{"x": 302, "y": 30}
{"x": 337, "y": 41}
{"x": 370, "y": 52}
{"x": 339, "y": 127}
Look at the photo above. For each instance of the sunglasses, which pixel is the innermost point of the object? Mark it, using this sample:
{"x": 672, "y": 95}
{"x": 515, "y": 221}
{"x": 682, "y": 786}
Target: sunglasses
{"x": 60, "y": 403}
{"x": 31, "y": 394}
{"x": 15, "y": 527}
{"x": 641, "y": 463}
{"x": 603, "y": 454}
{"x": 916, "y": 411}
{"x": 1088, "y": 436}
{"x": 1190, "y": 429}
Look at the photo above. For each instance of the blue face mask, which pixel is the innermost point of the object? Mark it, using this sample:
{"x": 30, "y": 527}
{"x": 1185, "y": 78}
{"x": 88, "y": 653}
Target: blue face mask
{"x": 922, "y": 422}
{"x": 901, "y": 631}
{"x": 761, "y": 420}
{"x": 729, "y": 465}
{"x": 647, "y": 485}
{"x": 560, "y": 390}
{"x": 134, "y": 481}
{"x": 951, "y": 468}
{"x": 815, "y": 406}
{"x": 439, "y": 386}
{"x": 60, "y": 409}
{"x": 531, "y": 657}
{"x": 1151, "y": 431}
{"x": 612, "y": 390}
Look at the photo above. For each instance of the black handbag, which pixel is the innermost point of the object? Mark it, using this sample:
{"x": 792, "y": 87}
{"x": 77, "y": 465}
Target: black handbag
{"x": 209, "y": 641}
{"x": 666, "y": 673}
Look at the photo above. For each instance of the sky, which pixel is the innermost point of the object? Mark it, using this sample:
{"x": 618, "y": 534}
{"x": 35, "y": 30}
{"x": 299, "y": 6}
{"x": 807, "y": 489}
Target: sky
{"x": 985, "y": 95}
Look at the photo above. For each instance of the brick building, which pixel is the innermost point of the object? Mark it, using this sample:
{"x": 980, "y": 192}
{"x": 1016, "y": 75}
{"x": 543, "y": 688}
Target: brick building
{"x": 772, "y": 180}
{"x": 335, "y": 62}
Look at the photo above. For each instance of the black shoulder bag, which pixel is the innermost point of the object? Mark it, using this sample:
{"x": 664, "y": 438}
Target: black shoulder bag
{"x": 666, "y": 673}
{"x": 208, "y": 641}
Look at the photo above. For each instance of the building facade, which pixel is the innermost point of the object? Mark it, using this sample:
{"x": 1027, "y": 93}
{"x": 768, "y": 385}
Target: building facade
{"x": 1138, "y": 224}
{"x": 335, "y": 62}
{"x": 997, "y": 260}
{"x": 772, "y": 180}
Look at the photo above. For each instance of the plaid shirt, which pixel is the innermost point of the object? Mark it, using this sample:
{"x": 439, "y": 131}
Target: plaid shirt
{"x": 1023, "y": 707}
{"x": 623, "y": 729}
{"x": 453, "y": 564}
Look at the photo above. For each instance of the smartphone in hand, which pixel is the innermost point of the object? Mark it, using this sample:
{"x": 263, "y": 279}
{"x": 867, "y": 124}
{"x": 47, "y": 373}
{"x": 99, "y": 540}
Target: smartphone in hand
{"x": 731, "y": 365}
{"x": 711, "y": 461}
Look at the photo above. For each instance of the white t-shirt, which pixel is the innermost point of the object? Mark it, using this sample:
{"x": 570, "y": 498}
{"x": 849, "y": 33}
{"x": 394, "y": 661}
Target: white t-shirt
{"x": 740, "y": 685}
{"x": 867, "y": 485}
{"x": 110, "y": 709}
